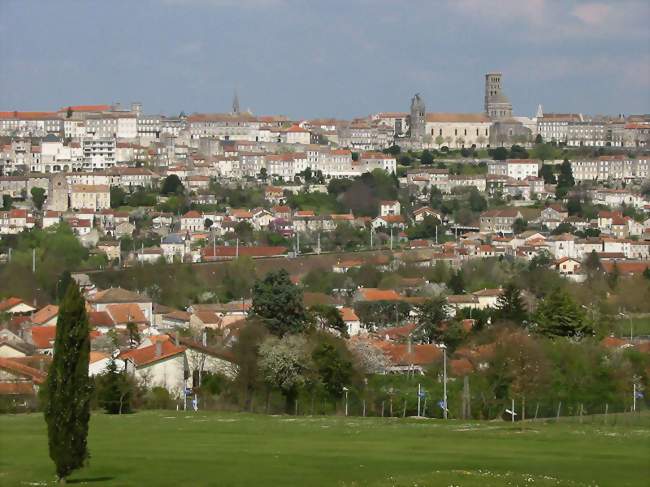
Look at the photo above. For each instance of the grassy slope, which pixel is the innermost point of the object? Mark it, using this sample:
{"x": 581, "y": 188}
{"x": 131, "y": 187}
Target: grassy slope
{"x": 168, "y": 448}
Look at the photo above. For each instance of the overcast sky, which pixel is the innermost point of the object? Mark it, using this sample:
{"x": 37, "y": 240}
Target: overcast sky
{"x": 339, "y": 58}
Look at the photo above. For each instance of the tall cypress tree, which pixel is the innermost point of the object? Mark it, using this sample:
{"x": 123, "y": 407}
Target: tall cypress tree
{"x": 510, "y": 306}
{"x": 67, "y": 411}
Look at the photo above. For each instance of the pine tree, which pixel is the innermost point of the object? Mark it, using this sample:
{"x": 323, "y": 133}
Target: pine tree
{"x": 278, "y": 303}
{"x": 114, "y": 390}
{"x": 67, "y": 412}
{"x": 510, "y": 305}
{"x": 558, "y": 315}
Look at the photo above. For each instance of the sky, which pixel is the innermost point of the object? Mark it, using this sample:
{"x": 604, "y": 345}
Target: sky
{"x": 328, "y": 58}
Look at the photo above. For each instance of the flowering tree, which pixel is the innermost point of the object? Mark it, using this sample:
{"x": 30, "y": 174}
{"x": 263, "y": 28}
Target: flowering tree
{"x": 369, "y": 358}
{"x": 284, "y": 363}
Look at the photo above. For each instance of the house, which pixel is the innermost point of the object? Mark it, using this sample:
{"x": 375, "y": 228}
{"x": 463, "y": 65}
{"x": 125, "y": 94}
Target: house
{"x": 202, "y": 358}
{"x": 124, "y": 229}
{"x": 461, "y": 301}
{"x": 150, "y": 255}
{"x": 352, "y": 321}
{"x": 375, "y": 294}
{"x": 421, "y": 213}
{"x": 343, "y": 266}
{"x": 19, "y": 382}
{"x": 192, "y": 221}
{"x": 42, "y": 337}
{"x": 487, "y": 298}
{"x": 389, "y": 207}
{"x": 206, "y": 319}
{"x": 117, "y": 296}
{"x": 98, "y": 363}
{"x": 46, "y": 316}
{"x": 388, "y": 221}
{"x": 15, "y": 306}
{"x": 499, "y": 221}
{"x": 175, "y": 246}
{"x": 160, "y": 364}
{"x": 100, "y": 321}
{"x": 409, "y": 358}
{"x": 567, "y": 266}
{"x": 111, "y": 249}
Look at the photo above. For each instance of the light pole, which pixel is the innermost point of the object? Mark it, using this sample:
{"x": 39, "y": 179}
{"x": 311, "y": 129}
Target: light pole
{"x": 444, "y": 379}
{"x": 345, "y": 389}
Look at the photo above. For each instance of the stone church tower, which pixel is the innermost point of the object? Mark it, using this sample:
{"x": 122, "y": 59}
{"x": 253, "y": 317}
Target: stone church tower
{"x": 497, "y": 105}
{"x": 57, "y": 193}
{"x": 418, "y": 120}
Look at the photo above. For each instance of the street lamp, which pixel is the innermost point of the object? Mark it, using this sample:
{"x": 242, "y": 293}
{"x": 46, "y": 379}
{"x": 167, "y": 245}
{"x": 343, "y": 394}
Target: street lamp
{"x": 345, "y": 389}
{"x": 444, "y": 379}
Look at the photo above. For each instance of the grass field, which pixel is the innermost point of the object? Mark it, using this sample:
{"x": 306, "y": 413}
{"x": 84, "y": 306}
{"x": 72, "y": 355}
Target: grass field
{"x": 160, "y": 448}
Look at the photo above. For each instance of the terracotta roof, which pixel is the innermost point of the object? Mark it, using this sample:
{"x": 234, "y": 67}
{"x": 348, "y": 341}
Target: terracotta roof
{"x": 43, "y": 336}
{"x": 396, "y": 332}
{"x": 97, "y": 356}
{"x": 374, "y": 294}
{"x": 118, "y": 295}
{"x": 45, "y": 314}
{"x": 147, "y": 355}
{"x": 100, "y": 318}
{"x": 86, "y": 108}
{"x": 178, "y": 315}
{"x": 613, "y": 342}
{"x": 348, "y": 314}
{"x": 17, "y": 368}
{"x": 9, "y": 303}
{"x": 626, "y": 267}
{"x": 208, "y": 317}
{"x": 126, "y": 312}
{"x": 399, "y": 355}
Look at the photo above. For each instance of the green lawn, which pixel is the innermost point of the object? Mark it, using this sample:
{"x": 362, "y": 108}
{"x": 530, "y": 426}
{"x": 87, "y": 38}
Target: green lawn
{"x": 159, "y": 448}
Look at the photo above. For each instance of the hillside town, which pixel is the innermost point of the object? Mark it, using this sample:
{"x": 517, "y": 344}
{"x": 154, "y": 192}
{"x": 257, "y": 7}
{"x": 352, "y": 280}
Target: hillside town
{"x": 423, "y": 191}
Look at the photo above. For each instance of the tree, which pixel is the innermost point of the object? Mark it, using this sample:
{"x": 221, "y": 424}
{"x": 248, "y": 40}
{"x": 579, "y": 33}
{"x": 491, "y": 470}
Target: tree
{"x": 67, "y": 412}
{"x": 558, "y": 315}
{"x": 7, "y": 202}
{"x": 592, "y": 265}
{"x": 519, "y": 225}
{"x": 369, "y": 358}
{"x": 457, "y": 282}
{"x": 38, "y": 197}
{"x": 477, "y": 203}
{"x": 134, "y": 334}
{"x": 333, "y": 367}
{"x": 543, "y": 152}
{"x": 278, "y": 303}
{"x": 518, "y": 152}
{"x": 207, "y": 223}
{"x": 510, "y": 306}
{"x": 499, "y": 154}
{"x": 328, "y": 318}
{"x": 565, "y": 180}
{"x": 431, "y": 314}
{"x": 172, "y": 185}
{"x": 439, "y": 141}
{"x": 284, "y": 363}
{"x": 393, "y": 150}
{"x": 114, "y": 390}
{"x": 426, "y": 157}
{"x": 546, "y": 172}
{"x": 118, "y": 197}
{"x": 539, "y": 139}
{"x": 246, "y": 352}
{"x": 65, "y": 279}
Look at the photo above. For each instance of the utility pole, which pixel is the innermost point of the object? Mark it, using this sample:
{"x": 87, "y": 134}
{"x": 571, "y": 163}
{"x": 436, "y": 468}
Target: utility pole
{"x": 318, "y": 247}
{"x": 444, "y": 380}
{"x": 372, "y": 233}
{"x": 237, "y": 249}
{"x": 419, "y": 393}
{"x": 33, "y": 261}
{"x": 391, "y": 238}
{"x": 297, "y": 243}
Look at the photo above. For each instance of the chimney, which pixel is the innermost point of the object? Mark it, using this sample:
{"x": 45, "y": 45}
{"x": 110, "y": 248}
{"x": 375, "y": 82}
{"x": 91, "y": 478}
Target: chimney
{"x": 158, "y": 348}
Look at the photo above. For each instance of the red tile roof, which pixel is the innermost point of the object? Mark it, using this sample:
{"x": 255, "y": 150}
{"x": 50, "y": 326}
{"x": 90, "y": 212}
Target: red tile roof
{"x": 374, "y": 294}
{"x": 9, "y": 303}
{"x": 147, "y": 355}
{"x": 17, "y": 368}
{"x": 43, "y": 336}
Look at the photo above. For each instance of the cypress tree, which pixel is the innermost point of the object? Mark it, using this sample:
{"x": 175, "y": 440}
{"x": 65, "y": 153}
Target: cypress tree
{"x": 510, "y": 306}
{"x": 67, "y": 411}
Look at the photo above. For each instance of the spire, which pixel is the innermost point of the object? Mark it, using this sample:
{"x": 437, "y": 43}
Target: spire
{"x": 235, "y": 103}
{"x": 540, "y": 111}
